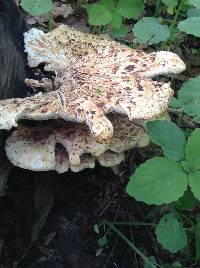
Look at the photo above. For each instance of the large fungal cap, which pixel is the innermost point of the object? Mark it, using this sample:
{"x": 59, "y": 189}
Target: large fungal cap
{"x": 60, "y": 146}
{"x": 65, "y": 46}
{"x": 94, "y": 76}
{"x": 88, "y": 99}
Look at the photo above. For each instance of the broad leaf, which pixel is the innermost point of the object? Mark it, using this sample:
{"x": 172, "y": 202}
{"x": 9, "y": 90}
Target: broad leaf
{"x": 195, "y": 3}
{"x": 192, "y": 150}
{"x": 158, "y": 181}
{"x": 189, "y": 96}
{"x": 170, "y": 137}
{"x": 37, "y": 7}
{"x": 190, "y": 26}
{"x": 121, "y": 32}
{"x": 116, "y": 20}
{"x": 98, "y": 14}
{"x": 148, "y": 30}
{"x": 193, "y": 12}
{"x": 170, "y": 233}
{"x": 130, "y": 8}
{"x": 194, "y": 182}
{"x": 108, "y": 4}
{"x": 170, "y": 3}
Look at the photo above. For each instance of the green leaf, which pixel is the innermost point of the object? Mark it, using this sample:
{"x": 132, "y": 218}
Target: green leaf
{"x": 170, "y": 233}
{"x": 158, "y": 181}
{"x": 192, "y": 150}
{"x": 108, "y": 4}
{"x": 116, "y": 20}
{"x": 170, "y": 137}
{"x": 121, "y": 32}
{"x": 130, "y": 8}
{"x": 36, "y": 7}
{"x": 187, "y": 201}
{"x": 194, "y": 182}
{"x": 170, "y": 3}
{"x": 175, "y": 103}
{"x": 189, "y": 96}
{"x": 102, "y": 241}
{"x": 193, "y": 12}
{"x": 195, "y": 3}
{"x": 148, "y": 30}
{"x": 98, "y": 14}
{"x": 190, "y": 26}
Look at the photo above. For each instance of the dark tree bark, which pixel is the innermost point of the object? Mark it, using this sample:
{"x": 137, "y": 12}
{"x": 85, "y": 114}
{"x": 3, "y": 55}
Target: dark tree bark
{"x": 12, "y": 56}
{"x": 12, "y": 67}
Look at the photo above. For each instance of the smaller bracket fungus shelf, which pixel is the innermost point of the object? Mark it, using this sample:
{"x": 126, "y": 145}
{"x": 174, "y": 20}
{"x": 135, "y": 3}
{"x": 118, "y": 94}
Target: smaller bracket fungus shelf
{"x": 98, "y": 103}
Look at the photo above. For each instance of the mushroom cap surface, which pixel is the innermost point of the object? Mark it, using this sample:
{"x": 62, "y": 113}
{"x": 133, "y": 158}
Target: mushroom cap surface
{"x": 63, "y": 145}
{"x": 94, "y": 76}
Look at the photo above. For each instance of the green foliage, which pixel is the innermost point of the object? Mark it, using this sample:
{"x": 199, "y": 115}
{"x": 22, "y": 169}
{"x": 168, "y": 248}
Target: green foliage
{"x": 170, "y": 3}
{"x": 173, "y": 143}
{"x": 153, "y": 176}
{"x": 36, "y": 7}
{"x": 192, "y": 151}
{"x": 111, "y": 13}
{"x": 159, "y": 173}
{"x": 170, "y": 233}
{"x": 149, "y": 30}
{"x": 98, "y": 14}
{"x": 189, "y": 98}
{"x": 130, "y": 8}
{"x": 195, "y": 3}
{"x": 190, "y": 26}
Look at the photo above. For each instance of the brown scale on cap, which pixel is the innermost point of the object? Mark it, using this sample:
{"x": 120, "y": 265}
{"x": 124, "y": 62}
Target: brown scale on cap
{"x": 94, "y": 76}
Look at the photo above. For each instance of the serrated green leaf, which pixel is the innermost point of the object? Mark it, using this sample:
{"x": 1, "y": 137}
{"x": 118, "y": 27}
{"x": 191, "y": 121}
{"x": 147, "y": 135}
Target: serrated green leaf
{"x": 193, "y": 12}
{"x": 121, "y": 32}
{"x": 116, "y": 20}
{"x": 170, "y": 137}
{"x": 170, "y": 233}
{"x": 192, "y": 150}
{"x": 108, "y": 4}
{"x": 195, "y": 3}
{"x": 148, "y": 30}
{"x": 190, "y": 26}
{"x": 158, "y": 181}
{"x": 98, "y": 14}
{"x": 194, "y": 182}
{"x": 130, "y": 8}
{"x": 170, "y": 3}
{"x": 189, "y": 96}
{"x": 37, "y": 7}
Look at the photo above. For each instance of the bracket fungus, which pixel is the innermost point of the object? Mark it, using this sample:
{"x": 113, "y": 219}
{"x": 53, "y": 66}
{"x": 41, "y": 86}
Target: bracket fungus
{"x": 98, "y": 103}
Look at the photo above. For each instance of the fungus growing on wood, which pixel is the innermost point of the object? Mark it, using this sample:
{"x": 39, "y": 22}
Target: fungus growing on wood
{"x": 94, "y": 76}
{"x": 96, "y": 107}
{"x": 61, "y": 145}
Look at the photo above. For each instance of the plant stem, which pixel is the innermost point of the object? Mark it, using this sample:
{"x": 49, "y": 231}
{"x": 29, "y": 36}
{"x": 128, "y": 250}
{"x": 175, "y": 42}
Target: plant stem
{"x": 50, "y": 19}
{"x": 177, "y": 12}
{"x": 157, "y": 11}
{"x": 133, "y": 223}
{"x": 131, "y": 245}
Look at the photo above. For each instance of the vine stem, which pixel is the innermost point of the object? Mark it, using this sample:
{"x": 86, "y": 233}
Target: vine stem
{"x": 131, "y": 245}
{"x": 178, "y": 10}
